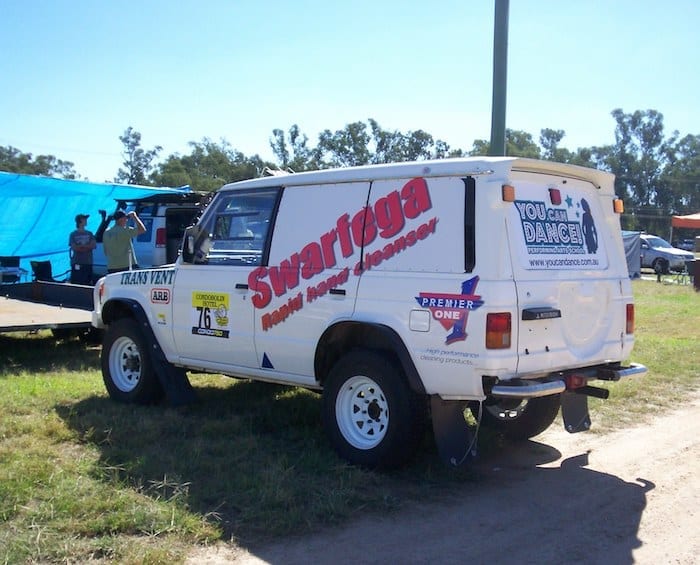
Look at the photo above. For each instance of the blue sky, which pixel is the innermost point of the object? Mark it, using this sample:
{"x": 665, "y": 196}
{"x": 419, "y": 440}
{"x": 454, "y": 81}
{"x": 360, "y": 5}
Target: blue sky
{"x": 77, "y": 73}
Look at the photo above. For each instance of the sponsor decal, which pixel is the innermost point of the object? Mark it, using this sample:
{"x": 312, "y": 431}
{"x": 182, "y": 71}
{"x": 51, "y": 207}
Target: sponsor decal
{"x": 559, "y": 237}
{"x": 161, "y": 320}
{"x": 448, "y": 357}
{"x": 159, "y": 277}
{"x": 160, "y": 295}
{"x": 210, "y": 314}
{"x": 452, "y": 310}
{"x": 382, "y": 223}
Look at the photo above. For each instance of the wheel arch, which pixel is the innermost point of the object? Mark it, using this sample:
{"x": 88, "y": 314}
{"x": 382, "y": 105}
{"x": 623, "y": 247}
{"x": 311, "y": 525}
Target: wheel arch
{"x": 343, "y": 337}
{"x": 117, "y": 308}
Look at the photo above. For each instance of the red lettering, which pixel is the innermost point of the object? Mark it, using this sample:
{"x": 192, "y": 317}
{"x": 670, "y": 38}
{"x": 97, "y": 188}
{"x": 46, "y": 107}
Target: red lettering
{"x": 343, "y": 227}
{"x": 357, "y": 226}
{"x": 386, "y": 219}
{"x": 266, "y": 322}
{"x": 388, "y": 252}
{"x": 327, "y": 241}
{"x": 262, "y": 289}
{"x": 416, "y": 196}
{"x": 370, "y": 227}
{"x": 389, "y": 215}
{"x": 423, "y": 231}
{"x": 312, "y": 260}
{"x": 286, "y": 276}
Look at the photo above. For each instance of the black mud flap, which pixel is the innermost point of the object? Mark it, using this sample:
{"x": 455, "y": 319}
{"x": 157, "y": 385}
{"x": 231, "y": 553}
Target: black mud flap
{"x": 174, "y": 381}
{"x": 453, "y": 436}
{"x": 574, "y": 411}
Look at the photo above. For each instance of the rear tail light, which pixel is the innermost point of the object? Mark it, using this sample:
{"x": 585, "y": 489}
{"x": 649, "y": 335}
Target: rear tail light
{"x": 555, "y": 196}
{"x": 508, "y": 193}
{"x": 629, "y": 327}
{"x": 498, "y": 328}
{"x": 160, "y": 237}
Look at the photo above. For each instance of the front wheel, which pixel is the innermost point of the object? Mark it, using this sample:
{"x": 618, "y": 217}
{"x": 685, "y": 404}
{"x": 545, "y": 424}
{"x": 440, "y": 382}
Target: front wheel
{"x": 127, "y": 369}
{"x": 660, "y": 267}
{"x": 520, "y": 419}
{"x": 371, "y": 416}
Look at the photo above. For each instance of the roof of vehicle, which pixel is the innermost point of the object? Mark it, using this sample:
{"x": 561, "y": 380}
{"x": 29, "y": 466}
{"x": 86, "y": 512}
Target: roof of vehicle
{"x": 463, "y": 166}
{"x": 171, "y": 198}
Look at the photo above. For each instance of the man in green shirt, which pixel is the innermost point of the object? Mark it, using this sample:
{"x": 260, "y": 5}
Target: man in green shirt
{"x": 117, "y": 242}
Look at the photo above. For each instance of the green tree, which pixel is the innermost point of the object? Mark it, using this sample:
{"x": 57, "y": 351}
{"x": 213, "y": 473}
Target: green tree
{"x": 638, "y": 157}
{"x": 13, "y": 160}
{"x": 345, "y": 148}
{"x": 549, "y": 141}
{"x": 396, "y": 147}
{"x": 682, "y": 175}
{"x": 355, "y": 145}
{"x": 291, "y": 150}
{"x": 208, "y": 167}
{"x": 138, "y": 163}
{"x": 518, "y": 144}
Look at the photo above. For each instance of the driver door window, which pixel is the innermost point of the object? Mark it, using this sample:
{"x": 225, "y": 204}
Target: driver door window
{"x": 236, "y": 231}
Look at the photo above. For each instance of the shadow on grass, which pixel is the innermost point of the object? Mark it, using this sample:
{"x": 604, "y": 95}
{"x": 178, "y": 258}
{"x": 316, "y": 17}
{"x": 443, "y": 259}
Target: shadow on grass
{"x": 43, "y": 353}
{"x": 251, "y": 457}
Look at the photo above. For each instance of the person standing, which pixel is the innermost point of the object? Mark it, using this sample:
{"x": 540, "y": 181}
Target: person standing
{"x": 81, "y": 243}
{"x": 117, "y": 244}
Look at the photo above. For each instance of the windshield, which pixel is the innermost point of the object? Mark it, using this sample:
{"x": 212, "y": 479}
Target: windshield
{"x": 658, "y": 242}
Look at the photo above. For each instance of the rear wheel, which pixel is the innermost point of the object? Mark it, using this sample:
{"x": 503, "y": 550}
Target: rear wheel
{"x": 371, "y": 416}
{"x": 127, "y": 370}
{"x": 520, "y": 419}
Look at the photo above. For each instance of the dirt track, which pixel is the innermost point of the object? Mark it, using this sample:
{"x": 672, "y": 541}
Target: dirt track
{"x": 631, "y": 496}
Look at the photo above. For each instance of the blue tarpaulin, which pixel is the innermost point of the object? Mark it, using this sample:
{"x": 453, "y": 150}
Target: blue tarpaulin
{"x": 37, "y": 214}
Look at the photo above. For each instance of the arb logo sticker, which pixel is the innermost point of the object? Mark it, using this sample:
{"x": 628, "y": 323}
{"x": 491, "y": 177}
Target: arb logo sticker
{"x": 452, "y": 310}
{"x": 160, "y": 295}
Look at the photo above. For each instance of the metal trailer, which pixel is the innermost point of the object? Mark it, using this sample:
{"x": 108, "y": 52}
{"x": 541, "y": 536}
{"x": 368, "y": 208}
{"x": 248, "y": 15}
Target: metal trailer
{"x": 35, "y": 306}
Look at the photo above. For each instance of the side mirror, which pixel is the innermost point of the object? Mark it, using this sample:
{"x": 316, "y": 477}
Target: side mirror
{"x": 188, "y": 242}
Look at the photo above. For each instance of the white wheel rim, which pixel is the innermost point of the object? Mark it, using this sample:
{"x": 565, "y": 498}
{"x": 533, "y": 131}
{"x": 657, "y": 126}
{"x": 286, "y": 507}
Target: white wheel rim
{"x": 362, "y": 412}
{"x": 125, "y": 364}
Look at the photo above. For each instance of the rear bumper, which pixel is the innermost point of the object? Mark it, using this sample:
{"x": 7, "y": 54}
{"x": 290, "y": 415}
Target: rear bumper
{"x": 519, "y": 388}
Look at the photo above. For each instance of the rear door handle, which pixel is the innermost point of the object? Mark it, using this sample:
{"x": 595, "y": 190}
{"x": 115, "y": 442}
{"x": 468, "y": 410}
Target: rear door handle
{"x": 241, "y": 286}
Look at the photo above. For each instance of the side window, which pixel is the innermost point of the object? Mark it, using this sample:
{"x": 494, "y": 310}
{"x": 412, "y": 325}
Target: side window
{"x": 146, "y": 236}
{"x": 237, "y": 228}
{"x": 146, "y": 212}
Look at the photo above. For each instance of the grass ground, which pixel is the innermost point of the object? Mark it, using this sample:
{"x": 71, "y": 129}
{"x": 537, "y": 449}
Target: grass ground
{"x": 84, "y": 478}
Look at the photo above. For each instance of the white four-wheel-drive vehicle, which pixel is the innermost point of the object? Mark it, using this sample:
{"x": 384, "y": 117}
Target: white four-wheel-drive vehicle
{"x": 399, "y": 292}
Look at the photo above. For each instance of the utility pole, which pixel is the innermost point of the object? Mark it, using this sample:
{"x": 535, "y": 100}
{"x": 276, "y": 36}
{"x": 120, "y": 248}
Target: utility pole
{"x": 500, "y": 68}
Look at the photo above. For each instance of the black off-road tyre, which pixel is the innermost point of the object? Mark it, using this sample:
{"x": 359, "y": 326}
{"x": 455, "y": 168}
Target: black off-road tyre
{"x": 371, "y": 416}
{"x": 127, "y": 369}
{"x": 519, "y": 419}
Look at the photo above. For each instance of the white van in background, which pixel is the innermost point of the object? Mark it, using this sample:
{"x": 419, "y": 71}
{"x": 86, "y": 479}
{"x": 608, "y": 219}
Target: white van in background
{"x": 165, "y": 216}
